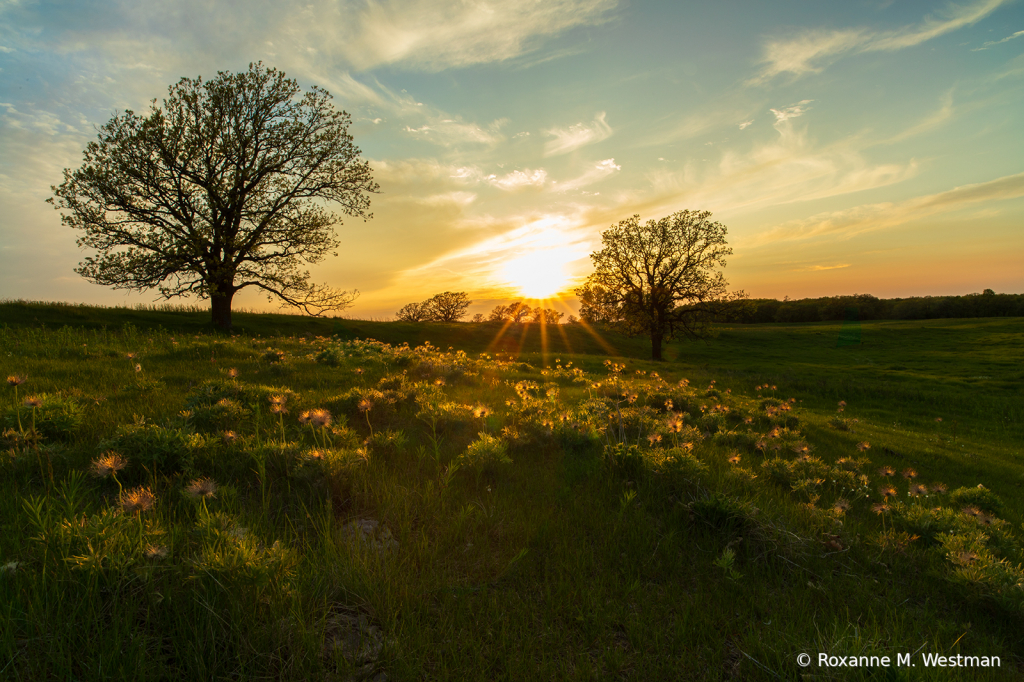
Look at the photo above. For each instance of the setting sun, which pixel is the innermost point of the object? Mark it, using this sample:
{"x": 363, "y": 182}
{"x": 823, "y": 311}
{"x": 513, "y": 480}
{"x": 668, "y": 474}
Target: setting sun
{"x": 540, "y": 274}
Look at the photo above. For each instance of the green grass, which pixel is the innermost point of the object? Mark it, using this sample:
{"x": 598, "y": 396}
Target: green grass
{"x": 596, "y": 554}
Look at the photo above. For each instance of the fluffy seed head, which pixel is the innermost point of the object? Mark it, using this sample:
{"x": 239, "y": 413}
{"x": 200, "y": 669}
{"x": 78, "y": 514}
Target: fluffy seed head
{"x": 887, "y": 491}
{"x": 304, "y": 417}
{"x": 365, "y": 405}
{"x": 863, "y": 445}
{"x": 156, "y": 552}
{"x": 277, "y": 399}
{"x": 886, "y": 471}
{"x": 320, "y": 418}
{"x": 201, "y": 487}
{"x": 137, "y": 500}
{"x": 33, "y": 401}
{"x": 233, "y": 373}
{"x": 880, "y": 508}
{"x": 15, "y": 380}
{"x": 909, "y": 474}
{"x": 841, "y": 505}
{"x": 107, "y": 464}
{"x": 918, "y": 489}
{"x": 229, "y": 437}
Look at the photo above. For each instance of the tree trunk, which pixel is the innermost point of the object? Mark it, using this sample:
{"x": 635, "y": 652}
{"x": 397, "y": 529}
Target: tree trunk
{"x": 656, "y": 338}
{"x": 220, "y": 308}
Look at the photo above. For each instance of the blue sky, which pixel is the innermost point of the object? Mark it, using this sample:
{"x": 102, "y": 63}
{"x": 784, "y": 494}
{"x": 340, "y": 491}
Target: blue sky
{"x": 858, "y": 147}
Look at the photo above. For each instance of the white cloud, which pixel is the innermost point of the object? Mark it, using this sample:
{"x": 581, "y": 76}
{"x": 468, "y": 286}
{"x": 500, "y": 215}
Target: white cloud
{"x": 812, "y": 51}
{"x": 870, "y": 217}
{"x": 792, "y": 111}
{"x": 600, "y": 171}
{"x": 987, "y": 45}
{"x": 519, "y": 179}
{"x": 576, "y": 136}
{"x": 746, "y": 124}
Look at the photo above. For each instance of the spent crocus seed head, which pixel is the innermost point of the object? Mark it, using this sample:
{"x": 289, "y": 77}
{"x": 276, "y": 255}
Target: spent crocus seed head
{"x": 304, "y": 417}
{"x": 909, "y": 474}
{"x": 15, "y": 380}
{"x": 481, "y": 411}
{"x": 137, "y": 500}
{"x": 108, "y": 463}
{"x": 277, "y": 399}
{"x": 320, "y": 418}
{"x": 863, "y": 445}
{"x": 233, "y": 373}
{"x": 229, "y": 437}
{"x": 33, "y": 401}
{"x": 880, "y": 508}
{"x": 841, "y": 506}
{"x": 917, "y": 489}
{"x": 156, "y": 552}
{"x": 735, "y": 459}
{"x": 365, "y": 405}
{"x": 887, "y": 491}
{"x": 939, "y": 488}
{"x": 201, "y": 488}
{"x": 886, "y": 472}
{"x": 971, "y": 510}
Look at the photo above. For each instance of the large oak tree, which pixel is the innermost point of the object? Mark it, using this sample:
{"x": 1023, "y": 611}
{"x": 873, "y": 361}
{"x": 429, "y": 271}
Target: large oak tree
{"x": 659, "y": 278}
{"x": 226, "y": 185}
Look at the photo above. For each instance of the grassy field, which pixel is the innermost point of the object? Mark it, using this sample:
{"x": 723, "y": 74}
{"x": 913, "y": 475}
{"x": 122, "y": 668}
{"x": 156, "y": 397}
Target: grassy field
{"x": 499, "y": 512}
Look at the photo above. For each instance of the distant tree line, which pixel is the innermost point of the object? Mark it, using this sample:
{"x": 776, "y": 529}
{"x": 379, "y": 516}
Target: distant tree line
{"x": 867, "y": 307}
{"x": 451, "y": 306}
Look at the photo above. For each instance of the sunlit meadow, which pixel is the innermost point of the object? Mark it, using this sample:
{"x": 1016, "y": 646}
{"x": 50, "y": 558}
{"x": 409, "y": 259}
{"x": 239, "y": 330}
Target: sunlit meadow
{"x": 182, "y": 506}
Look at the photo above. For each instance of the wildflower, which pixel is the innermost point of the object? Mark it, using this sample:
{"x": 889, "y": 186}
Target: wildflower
{"x": 801, "y": 448}
{"x": 358, "y": 370}
{"x": 439, "y": 381}
{"x": 938, "y": 419}
{"x": 130, "y": 356}
{"x": 33, "y": 401}
{"x": 156, "y": 552}
{"x": 909, "y": 474}
{"x": 233, "y": 373}
{"x": 887, "y": 491}
{"x": 917, "y": 489}
{"x": 863, "y": 445}
{"x": 774, "y": 433}
{"x": 365, "y": 405}
{"x": 654, "y": 438}
{"x": 481, "y": 411}
{"x": 773, "y": 387}
{"x": 668, "y": 404}
{"x": 971, "y": 510}
{"x": 138, "y": 368}
{"x": 748, "y": 420}
{"x": 226, "y": 403}
{"x": 841, "y": 506}
{"x": 842, "y": 403}
{"x": 761, "y": 444}
{"x": 304, "y": 417}
{"x": 965, "y": 557}
{"x": 938, "y": 488}
{"x": 886, "y": 471}
{"x": 137, "y": 500}
{"x": 315, "y": 455}
{"x": 107, "y": 464}
{"x": 201, "y": 487}
{"x": 735, "y": 459}
{"x": 229, "y": 437}
{"x": 15, "y": 380}
{"x": 880, "y": 508}
{"x": 278, "y": 408}
{"x": 630, "y": 397}
{"x": 320, "y": 418}
{"x": 675, "y": 423}
{"x": 683, "y": 383}
{"x": 863, "y": 479}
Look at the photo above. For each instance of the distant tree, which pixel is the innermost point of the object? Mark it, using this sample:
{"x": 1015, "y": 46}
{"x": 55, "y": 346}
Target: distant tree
{"x": 413, "y": 312}
{"x": 449, "y": 306}
{"x": 546, "y": 315}
{"x": 513, "y": 312}
{"x": 572, "y": 319}
{"x": 659, "y": 278}
{"x": 479, "y": 317}
{"x": 221, "y": 188}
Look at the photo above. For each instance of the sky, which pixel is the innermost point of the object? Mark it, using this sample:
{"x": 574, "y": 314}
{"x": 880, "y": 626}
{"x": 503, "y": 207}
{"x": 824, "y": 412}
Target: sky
{"x": 868, "y": 146}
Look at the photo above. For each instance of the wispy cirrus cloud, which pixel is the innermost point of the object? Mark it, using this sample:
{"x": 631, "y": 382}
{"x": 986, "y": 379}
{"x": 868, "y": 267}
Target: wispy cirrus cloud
{"x": 992, "y": 43}
{"x": 813, "y": 50}
{"x": 518, "y": 179}
{"x": 600, "y": 171}
{"x": 870, "y": 217}
{"x": 576, "y": 136}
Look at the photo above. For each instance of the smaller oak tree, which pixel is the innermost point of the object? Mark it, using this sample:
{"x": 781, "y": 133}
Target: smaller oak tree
{"x": 659, "y": 278}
